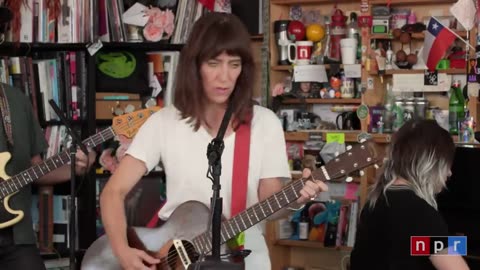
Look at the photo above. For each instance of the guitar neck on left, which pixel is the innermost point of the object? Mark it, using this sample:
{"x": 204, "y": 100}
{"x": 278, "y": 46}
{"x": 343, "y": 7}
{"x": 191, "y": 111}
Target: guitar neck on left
{"x": 18, "y": 181}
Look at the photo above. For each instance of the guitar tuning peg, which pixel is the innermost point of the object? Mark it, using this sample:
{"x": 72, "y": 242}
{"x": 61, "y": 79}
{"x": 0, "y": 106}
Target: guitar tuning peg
{"x": 349, "y": 179}
{"x": 363, "y": 140}
{"x": 362, "y": 173}
{"x": 376, "y": 166}
{"x": 349, "y": 147}
{"x": 336, "y": 154}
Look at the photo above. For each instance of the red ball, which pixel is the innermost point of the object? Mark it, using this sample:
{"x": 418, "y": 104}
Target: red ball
{"x": 296, "y": 30}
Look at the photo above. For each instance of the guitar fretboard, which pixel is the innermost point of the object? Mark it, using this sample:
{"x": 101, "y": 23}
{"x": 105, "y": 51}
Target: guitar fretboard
{"x": 252, "y": 215}
{"x": 27, "y": 176}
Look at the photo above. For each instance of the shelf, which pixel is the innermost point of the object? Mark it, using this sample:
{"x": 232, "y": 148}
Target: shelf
{"x": 410, "y": 2}
{"x": 323, "y": 101}
{"x": 83, "y": 46}
{"x": 351, "y": 136}
{"x": 306, "y": 2}
{"x": 258, "y": 37}
{"x": 309, "y": 244}
{"x": 154, "y": 46}
{"x": 451, "y": 71}
{"x": 60, "y": 123}
{"x": 419, "y": 36}
{"x": 281, "y": 68}
{"x": 290, "y": 67}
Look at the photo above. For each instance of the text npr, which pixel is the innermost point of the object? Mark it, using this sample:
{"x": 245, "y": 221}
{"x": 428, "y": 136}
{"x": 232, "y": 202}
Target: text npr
{"x": 429, "y": 245}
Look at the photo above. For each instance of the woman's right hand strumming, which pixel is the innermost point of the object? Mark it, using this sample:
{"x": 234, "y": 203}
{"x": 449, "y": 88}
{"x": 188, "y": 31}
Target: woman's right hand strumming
{"x": 135, "y": 259}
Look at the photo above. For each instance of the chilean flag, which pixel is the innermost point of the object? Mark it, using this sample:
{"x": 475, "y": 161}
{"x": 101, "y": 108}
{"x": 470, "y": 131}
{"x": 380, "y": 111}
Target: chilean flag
{"x": 437, "y": 40}
{"x": 209, "y": 4}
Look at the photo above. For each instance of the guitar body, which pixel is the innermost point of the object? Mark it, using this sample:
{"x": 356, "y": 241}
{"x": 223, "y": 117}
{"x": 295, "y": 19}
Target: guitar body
{"x": 8, "y": 216}
{"x": 187, "y": 221}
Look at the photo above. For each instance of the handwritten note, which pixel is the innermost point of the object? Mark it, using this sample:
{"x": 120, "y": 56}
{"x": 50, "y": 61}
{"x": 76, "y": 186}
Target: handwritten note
{"x": 416, "y": 83}
{"x": 310, "y": 73}
{"x": 336, "y": 137}
{"x": 353, "y": 71}
{"x": 351, "y": 191}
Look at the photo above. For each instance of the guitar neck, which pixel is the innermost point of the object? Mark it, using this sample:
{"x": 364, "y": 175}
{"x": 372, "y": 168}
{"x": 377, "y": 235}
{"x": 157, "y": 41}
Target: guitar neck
{"x": 28, "y": 176}
{"x": 255, "y": 213}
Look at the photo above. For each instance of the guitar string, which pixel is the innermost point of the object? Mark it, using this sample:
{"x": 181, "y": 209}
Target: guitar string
{"x": 297, "y": 184}
{"x": 96, "y": 140}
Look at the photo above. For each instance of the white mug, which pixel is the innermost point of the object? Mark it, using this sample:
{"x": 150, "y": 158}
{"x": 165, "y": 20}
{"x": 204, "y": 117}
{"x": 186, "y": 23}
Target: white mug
{"x": 303, "y": 52}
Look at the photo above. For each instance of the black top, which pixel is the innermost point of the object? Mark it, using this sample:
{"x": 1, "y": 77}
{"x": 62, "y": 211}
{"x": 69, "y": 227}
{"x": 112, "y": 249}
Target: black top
{"x": 383, "y": 233}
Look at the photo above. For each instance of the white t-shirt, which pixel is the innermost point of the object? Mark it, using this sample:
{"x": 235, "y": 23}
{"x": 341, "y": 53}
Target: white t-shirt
{"x": 167, "y": 139}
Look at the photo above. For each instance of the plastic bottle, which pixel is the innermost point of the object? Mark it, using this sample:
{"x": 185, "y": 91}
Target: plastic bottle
{"x": 303, "y": 226}
{"x": 354, "y": 32}
{"x": 389, "y": 105}
{"x": 456, "y": 108}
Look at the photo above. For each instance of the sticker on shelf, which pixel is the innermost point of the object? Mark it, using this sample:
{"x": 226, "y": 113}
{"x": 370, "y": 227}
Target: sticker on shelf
{"x": 363, "y": 136}
{"x": 430, "y": 77}
{"x": 362, "y": 112}
{"x": 94, "y": 47}
{"x": 370, "y": 83}
{"x": 336, "y": 137}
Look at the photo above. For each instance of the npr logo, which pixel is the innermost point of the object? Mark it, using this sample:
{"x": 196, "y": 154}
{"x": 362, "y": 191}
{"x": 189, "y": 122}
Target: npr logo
{"x": 428, "y": 245}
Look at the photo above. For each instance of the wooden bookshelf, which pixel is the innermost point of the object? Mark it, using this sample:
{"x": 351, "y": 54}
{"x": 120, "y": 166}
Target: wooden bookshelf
{"x": 323, "y": 101}
{"x": 258, "y": 37}
{"x": 309, "y": 244}
{"x": 451, "y": 71}
{"x": 160, "y": 46}
{"x": 290, "y": 67}
{"x": 410, "y": 2}
{"x": 419, "y": 36}
{"x": 350, "y": 135}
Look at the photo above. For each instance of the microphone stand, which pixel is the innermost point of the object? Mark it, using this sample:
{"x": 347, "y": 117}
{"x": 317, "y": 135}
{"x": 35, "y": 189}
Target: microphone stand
{"x": 76, "y": 141}
{"x": 214, "y": 155}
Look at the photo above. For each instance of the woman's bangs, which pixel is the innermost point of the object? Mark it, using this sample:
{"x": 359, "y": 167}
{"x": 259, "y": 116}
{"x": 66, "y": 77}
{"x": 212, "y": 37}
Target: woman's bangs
{"x": 225, "y": 40}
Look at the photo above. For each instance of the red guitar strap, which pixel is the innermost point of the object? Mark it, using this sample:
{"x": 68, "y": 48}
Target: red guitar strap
{"x": 241, "y": 157}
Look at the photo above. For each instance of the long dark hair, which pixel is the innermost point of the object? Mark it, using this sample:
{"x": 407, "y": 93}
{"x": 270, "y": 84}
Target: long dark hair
{"x": 422, "y": 153}
{"x": 213, "y": 34}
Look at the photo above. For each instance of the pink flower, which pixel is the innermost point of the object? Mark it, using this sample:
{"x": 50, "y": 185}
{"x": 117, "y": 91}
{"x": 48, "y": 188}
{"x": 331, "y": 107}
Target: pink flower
{"x": 152, "y": 32}
{"x": 161, "y": 21}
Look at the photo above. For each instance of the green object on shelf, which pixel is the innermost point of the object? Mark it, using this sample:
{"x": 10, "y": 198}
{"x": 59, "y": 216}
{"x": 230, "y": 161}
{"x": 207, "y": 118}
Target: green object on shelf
{"x": 336, "y": 137}
{"x": 443, "y": 64}
{"x": 362, "y": 112}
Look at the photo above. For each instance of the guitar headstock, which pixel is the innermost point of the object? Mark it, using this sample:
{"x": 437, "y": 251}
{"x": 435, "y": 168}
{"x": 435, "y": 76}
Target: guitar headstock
{"x": 354, "y": 159}
{"x": 128, "y": 124}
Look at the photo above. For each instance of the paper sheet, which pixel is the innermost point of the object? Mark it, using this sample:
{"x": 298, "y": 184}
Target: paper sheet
{"x": 310, "y": 73}
{"x": 415, "y": 83}
{"x": 135, "y": 15}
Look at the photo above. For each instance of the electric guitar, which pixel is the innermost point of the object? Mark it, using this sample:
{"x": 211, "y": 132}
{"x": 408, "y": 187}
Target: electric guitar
{"x": 184, "y": 238}
{"x": 127, "y": 125}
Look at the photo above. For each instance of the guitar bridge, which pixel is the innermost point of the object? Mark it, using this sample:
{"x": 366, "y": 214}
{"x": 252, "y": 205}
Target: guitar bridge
{"x": 182, "y": 253}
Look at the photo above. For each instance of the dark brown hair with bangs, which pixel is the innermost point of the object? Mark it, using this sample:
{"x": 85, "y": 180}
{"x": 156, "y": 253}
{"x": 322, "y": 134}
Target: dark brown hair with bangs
{"x": 213, "y": 34}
